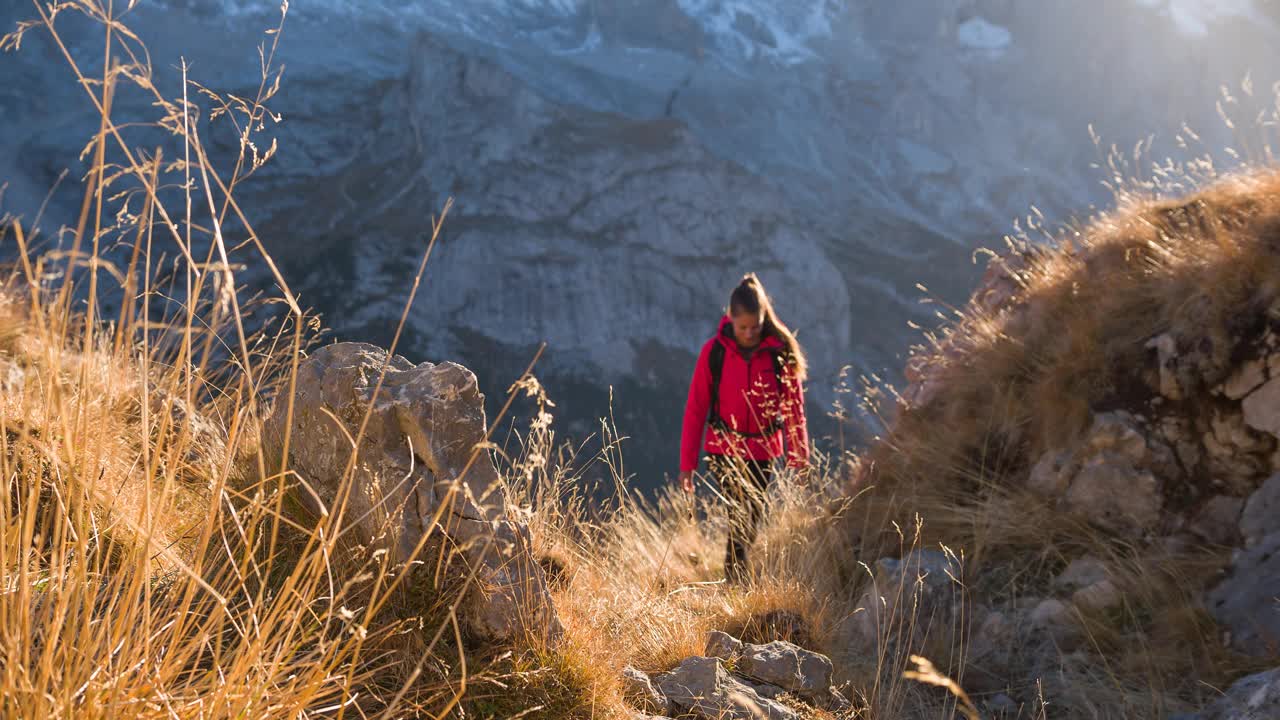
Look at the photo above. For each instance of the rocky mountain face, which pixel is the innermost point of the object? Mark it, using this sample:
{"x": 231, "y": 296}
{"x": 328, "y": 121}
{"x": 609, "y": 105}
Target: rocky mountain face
{"x": 615, "y": 166}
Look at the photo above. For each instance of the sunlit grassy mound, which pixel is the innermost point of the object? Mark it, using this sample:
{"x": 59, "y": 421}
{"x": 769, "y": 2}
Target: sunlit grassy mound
{"x": 1145, "y": 312}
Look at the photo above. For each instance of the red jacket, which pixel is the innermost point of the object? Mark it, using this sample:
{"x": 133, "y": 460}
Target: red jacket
{"x": 749, "y": 401}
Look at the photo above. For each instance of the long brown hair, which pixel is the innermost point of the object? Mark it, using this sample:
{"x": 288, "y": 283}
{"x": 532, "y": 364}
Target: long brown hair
{"x": 750, "y": 297}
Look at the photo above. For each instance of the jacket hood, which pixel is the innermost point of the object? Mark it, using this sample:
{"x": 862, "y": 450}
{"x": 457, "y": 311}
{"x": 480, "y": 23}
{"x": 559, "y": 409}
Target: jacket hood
{"x": 725, "y": 335}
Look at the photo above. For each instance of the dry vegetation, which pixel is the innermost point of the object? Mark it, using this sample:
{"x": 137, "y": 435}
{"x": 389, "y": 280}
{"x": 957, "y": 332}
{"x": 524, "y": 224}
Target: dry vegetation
{"x": 1013, "y": 385}
{"x": 153, "y": 563}
{"x": 150, "y": 565}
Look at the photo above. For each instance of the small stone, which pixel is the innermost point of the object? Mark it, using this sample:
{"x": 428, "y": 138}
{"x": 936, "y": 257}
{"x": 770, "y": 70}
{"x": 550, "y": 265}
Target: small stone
{"x": 1261, "y": 515}
{"x": 1245, "y": 379}
{"x": 1051, "y": 474}
{"x": 1001, "y": 705}
{"x": 832, "y": 701}
{"x": 723, "y": 645}
{"x": 638, "y": 689}
{"x": 1218, "y": 520}
{"x": 1101, "y": 595}
{"x": 1262, "y": 408}
{"x": 924, "y": 583}
{"x": 1050, "y": 613}
{"x": 1167, "y": 359}
{"x": 1056, "y": 619}
{"x": 1081, "y": 572}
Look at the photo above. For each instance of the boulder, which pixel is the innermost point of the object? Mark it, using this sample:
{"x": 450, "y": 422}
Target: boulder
{"x": 1112, "y": 477}
{"x": 1246, "y": 601}
{"x": 1261, "y": 514}
{"x": 723, "y": 645}
{"x": 1255, "y": 697}
{"x": 702, "y": 687}
{"x": 418, "y": 470}
{"x": 638, "y": 689}
{"x": 788, "y": 666}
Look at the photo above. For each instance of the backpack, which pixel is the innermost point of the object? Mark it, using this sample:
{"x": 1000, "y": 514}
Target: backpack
{"x": 715, "y": 359}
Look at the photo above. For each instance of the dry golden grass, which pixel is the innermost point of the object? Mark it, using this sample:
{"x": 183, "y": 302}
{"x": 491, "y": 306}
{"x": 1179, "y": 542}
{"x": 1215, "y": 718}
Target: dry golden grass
{"x": 152, "y": 565}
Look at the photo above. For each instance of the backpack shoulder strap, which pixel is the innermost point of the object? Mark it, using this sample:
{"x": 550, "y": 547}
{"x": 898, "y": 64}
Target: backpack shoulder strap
{"x": 715, "y": 359}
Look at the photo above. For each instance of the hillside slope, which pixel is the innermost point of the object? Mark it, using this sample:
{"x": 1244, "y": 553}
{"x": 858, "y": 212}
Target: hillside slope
{"x": 1096, "y": 435}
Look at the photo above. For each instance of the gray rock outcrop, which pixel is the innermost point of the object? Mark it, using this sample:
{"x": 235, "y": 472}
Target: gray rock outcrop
{"x": 924, "y": 582}
{"x": 702, "y": 686}
{"x": 741, "y": 680}
{"x": 1112, "y": 477}
{"x": 1261, "y": 514}
{"x": 723, "y": 645}
{"x": 1247, "y": 602}
{"x": 1256, "y": 697}
{"x": 639, "y": 690}
{"x": 418, "y": 471}
{"x": 788, "y": 666}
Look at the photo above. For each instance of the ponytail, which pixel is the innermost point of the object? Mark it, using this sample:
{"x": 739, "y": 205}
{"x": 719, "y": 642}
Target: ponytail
{"x": 749, "y": 296}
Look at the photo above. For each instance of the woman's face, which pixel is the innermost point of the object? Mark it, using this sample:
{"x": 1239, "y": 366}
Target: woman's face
{"x": 747, "y": 327}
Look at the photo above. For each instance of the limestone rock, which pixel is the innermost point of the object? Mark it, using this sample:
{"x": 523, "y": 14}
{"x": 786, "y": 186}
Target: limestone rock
{"x": 723, "y": 645}
{"x": 701, "y": 686}
{"x": 1218, "y": 520}
{"x": 1051, "y": 475}
{"x": 1166, "y": 349}
{"x": 1245, "y": 602}
{"x": 832, "y": 701}
{"x": 924, "y": 582}
{"x": 763, "y": 689}
{"x": 1050, "y": 612}
{"x": 1245, "y": 379}
{"x": 1256, "y": 697}
{"x": 1261, "y": 515}
{"x": 991, "y": 652}
{"x": 1112, "y": 476}
{"x": 1057, "y": 620}
{"x": 639, "y": 690}
{"x": 416, "y": 471}
{"x": 1002, "y": 706}
{"x": 1236, "y": 453}
{"x": 1101, "y": 595}
{"x": 1262, "y": 408}
{"x": 788, "y": 666}
{"x": 1116, "y": 497}
{"x": 1080, "y": 573}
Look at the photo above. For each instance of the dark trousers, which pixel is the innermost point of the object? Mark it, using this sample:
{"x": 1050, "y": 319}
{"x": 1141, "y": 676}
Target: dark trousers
{"x": 743, "y": 483}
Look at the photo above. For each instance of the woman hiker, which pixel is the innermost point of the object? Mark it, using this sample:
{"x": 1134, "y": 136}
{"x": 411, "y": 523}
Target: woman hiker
{"x": 748, "y": 386}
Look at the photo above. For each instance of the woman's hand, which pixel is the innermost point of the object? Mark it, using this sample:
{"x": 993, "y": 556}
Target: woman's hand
{"x": 686, "y": 480}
